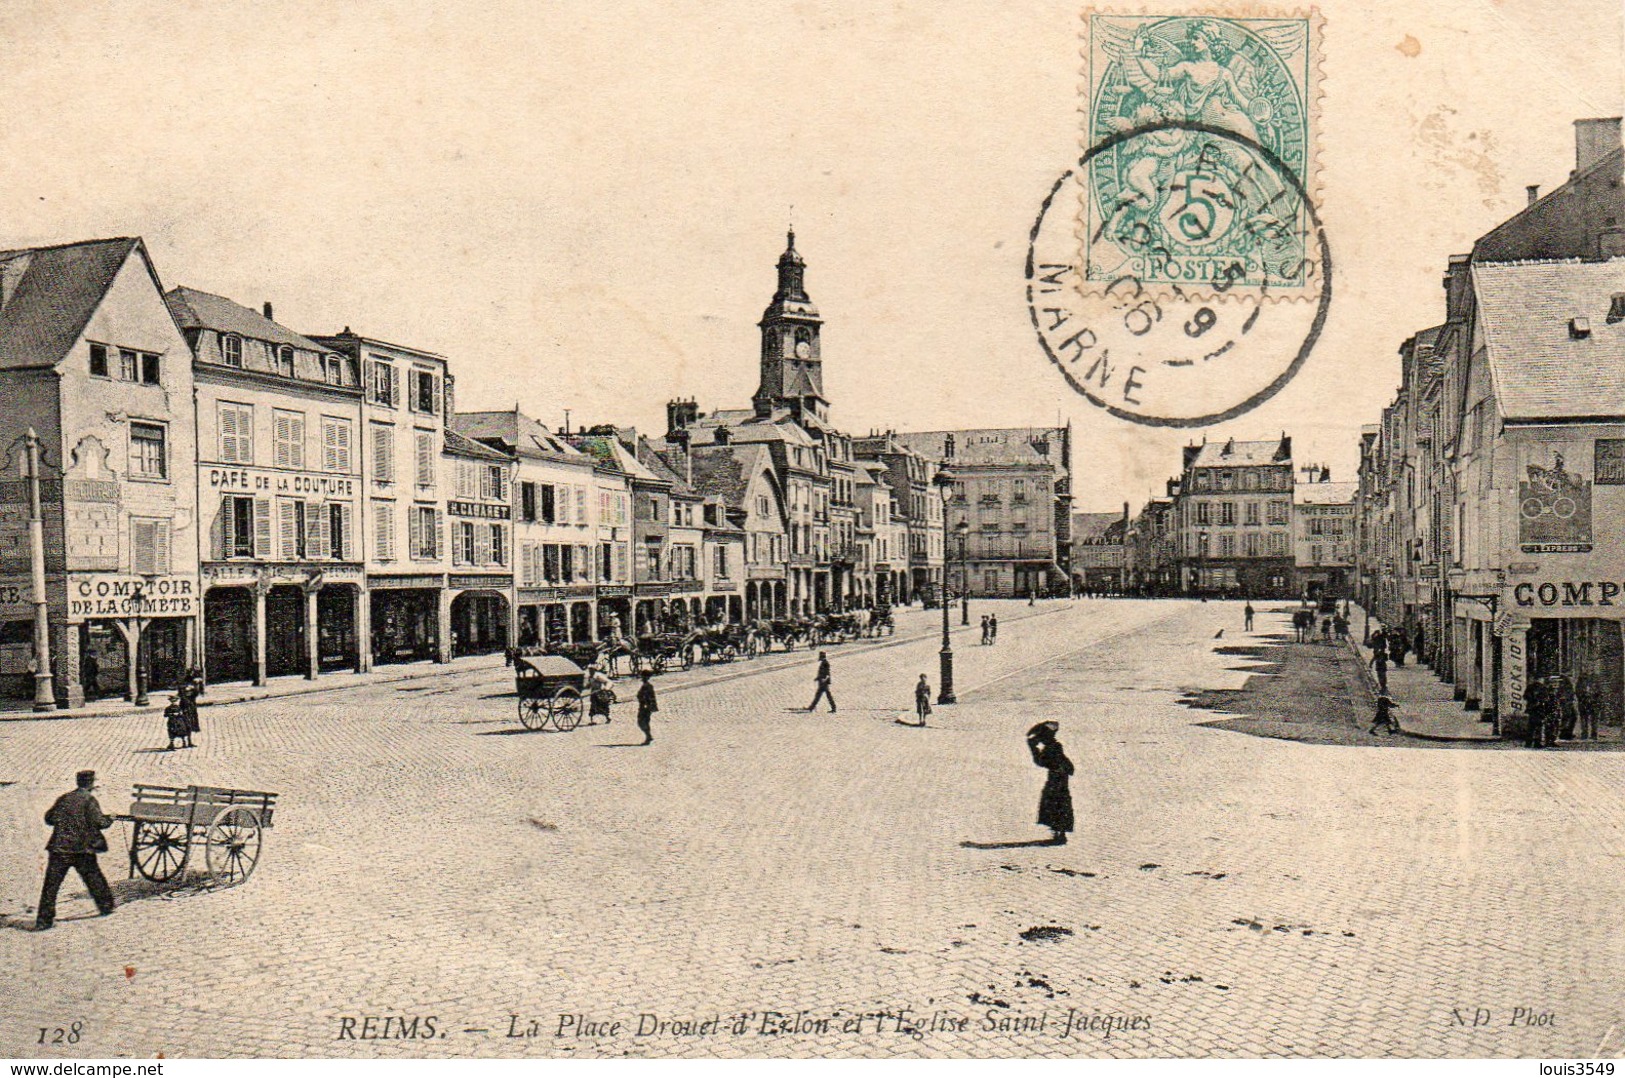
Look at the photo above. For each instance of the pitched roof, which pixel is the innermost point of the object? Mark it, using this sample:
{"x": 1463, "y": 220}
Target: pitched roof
{"x": 1339, "y": 493}
{"x": 1541, "y": 367}
{"x": 195, "y": 309}
{"x": 651, "y": 458}
{"x": 56, "y": 290}
{"x": 520, "y": 431}
{"x": 990, "y": 445}
{"x": 1234, "y": 454}
{"x": 608, "y": 450}
{"x": 468, "y": 447}
{"x": 725, "y": 471}
{"x": 1093, "y": 526}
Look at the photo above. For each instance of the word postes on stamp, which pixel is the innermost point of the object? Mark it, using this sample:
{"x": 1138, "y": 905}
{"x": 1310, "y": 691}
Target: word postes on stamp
{"x": 1163, "y": 268}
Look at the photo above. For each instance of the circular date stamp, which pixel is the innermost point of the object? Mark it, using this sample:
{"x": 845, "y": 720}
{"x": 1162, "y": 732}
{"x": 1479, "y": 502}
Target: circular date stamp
{"x": 1180, "y": 275}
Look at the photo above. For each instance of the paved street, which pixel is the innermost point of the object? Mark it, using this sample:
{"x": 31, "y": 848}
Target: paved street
{"x": 1224, "y": 894}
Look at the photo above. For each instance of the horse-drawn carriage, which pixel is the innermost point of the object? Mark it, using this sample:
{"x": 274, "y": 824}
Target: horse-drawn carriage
{"x": 665, "y": 651}
{"x": 725, "y": 643}
{"x": 840, "y": 628}
{"x": 169, "y": 820}
{"x": 550, "y": 689}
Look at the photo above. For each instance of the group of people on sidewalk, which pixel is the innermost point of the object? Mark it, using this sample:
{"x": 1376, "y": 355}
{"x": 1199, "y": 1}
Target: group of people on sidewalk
{"x": 1558, "y": 709}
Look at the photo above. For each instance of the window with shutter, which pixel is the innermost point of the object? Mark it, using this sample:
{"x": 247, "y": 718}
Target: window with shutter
{"x": 482, "y": 545}
{"x": 499, "y": 545}
{"x": 262, "y": 529}
{"x": 415, "y": 535}
{"x": 527, "y": 501}
{"x": 335, "y": 444}
{"x": 581, "y": 505}
{"x": 437, "y": 533}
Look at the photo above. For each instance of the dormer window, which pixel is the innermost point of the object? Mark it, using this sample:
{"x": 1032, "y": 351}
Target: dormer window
{"x": 284, "y": 361}
{"x": 231, "y": 350}
{"x": 335, "y": 371}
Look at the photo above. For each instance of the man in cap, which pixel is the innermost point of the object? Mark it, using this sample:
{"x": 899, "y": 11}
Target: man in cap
{"x": 77, "y": 823}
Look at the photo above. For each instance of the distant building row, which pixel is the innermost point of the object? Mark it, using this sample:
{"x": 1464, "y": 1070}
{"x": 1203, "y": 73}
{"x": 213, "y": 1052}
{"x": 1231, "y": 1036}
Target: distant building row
{"x": 221, "y": 492}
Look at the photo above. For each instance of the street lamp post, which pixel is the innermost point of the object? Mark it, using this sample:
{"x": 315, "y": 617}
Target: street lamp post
{"x": 1201, "y": 559}
{"x": 945, "y": 692}
{"x": 136, "y": 598}
{"x": 962, "y": 529}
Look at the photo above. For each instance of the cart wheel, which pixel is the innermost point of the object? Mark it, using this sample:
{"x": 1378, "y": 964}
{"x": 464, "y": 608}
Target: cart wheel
{"x": 564, "y": 706}
{"x": 234, "y": 844}
{"x": 530, "y": 713}
{"x": 659, "y": 664}
{"x": 158, "y": 849}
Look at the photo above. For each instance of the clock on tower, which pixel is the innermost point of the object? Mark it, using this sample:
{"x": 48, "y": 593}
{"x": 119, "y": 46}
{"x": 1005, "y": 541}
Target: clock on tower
{"x": 792, "y": 367}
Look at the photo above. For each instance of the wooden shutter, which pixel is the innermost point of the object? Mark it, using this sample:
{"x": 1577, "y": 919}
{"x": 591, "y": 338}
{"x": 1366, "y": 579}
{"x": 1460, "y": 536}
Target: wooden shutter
{"x": 226, "y": 417}
{"x": 383, "y": 454}
{"x": 432, "y": 405}
{"x": 344, "y": 549}
{"x": 224, "y": 532}
{"x": 287, "y": 511}
{"x": 414, "y": 518}
{"x": 281, "y": 437}
{"x": 383, "y": 532}
{"x": 482, "y": 546}
{"x": 160, "y": 535}
{"x": 296, "y": 439}
{"x": 437, "y": 533}
{"x": 425, "y": 459}
{"x": 394, "y": 388}
{"x": 316, "y": 530}
{"x": 141, "y": 544}
{"x": 262, "y": 529}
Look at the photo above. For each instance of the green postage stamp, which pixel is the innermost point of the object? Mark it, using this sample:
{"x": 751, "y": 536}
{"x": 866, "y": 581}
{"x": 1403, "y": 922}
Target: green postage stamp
{"x": 1200, "y": 151}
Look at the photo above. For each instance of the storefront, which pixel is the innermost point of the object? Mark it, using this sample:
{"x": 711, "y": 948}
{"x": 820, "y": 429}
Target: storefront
{"x": 405, "y": 618}
{"x": 479, "y": 614}
{"x": 229, "y": 633}
{"x": 130, "y": 633}
{"x": 555, "y": 614}
{"x": 1568, "y": 631}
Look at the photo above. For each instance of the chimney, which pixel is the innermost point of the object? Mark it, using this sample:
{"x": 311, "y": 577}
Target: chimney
{"x": 268, "y": 316}
{"x": 1534, "y": 193}
{"x": 1593, "y": 140}
{"x": 680, "y": 414}
{"x": 948, "y": 446}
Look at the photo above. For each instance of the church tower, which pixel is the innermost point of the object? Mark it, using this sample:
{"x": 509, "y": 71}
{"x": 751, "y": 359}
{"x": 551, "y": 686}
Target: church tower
{"x": 792, "y": 364}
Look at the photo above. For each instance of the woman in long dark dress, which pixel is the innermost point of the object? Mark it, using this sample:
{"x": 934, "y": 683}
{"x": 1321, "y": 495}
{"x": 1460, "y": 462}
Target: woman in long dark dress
{"x": 187, "y": 696}
{"x": 1055, "y": 803}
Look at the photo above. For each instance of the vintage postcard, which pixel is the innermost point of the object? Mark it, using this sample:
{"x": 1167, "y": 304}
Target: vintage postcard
{"x": 814, "y": 531}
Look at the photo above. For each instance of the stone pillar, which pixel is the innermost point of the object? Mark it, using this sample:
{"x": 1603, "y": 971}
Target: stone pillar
{"x": 363, "y": 630}
{"x": 70, "y": 689}
{"x": 262, "y": 588}
{"x": 313, "y": 647}
{"x": 1458, "y": 645}
{"x": 443, "y": 629}
{"x": 1511, "y": 715}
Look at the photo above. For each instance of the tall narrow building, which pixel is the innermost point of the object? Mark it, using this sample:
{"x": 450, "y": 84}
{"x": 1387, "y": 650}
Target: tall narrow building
{"x": 792, "y": 364}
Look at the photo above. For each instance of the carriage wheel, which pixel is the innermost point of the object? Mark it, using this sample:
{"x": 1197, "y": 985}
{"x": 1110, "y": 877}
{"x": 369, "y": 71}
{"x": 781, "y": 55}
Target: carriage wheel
{"x": 234, "y": 844}
{"x": 158, "y": 849}
{"x": 564, "y": 708}
{"x": 530, "y": 713}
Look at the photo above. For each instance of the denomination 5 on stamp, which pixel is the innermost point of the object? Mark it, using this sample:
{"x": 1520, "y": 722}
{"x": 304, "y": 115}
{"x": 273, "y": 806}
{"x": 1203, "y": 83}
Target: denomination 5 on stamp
{"x": 1179, "y": 275}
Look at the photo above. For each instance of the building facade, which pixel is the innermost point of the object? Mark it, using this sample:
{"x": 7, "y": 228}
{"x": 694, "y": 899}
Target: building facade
{"x": 1099, "y": 552}
{"x": 97, "y": 378}
{"x": 478, "y": 481}
{"x": 1234, "y": 512}
{"x": 279, "y": 494}
{"x": 1323, "y": 535}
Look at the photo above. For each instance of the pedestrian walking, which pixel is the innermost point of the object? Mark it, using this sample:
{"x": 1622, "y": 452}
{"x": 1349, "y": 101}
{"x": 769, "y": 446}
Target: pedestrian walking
{"x": 191, "y": 688}
{"x": 76, "y": 823}
{"x": 1385, "y": 717}
{"x": 647, "y": 706}
{"x": 986, "y": 638}
{"x": 1398, "y": 644}
{"x": 175, "y": 725}
{"x": 822, "y": 681}
{"x": 1379, "y": 663}
{"x": 1419, "y": 643}
{"x": 1055, "y": 802}
{"x": 1340, "y": 625}
{"x": 90, "y": 672}
{"x": 1247, "y": 617}
{"x": 601, "y": 692}
{"x": 1534, "y": 706}
{"x": 922, "y": 700}
{"x": 993, "y": 628}
{"x": 1567, "y": 714}
{"x": 1587, "y": 700}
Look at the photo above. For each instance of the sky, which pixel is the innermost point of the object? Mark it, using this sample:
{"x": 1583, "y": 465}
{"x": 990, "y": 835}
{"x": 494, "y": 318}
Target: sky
{"x": 581, "y": 204}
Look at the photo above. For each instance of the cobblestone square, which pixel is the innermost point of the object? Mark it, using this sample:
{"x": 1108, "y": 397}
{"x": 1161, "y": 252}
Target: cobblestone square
{"x": 764, "y": 881}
